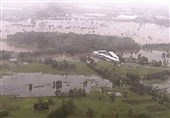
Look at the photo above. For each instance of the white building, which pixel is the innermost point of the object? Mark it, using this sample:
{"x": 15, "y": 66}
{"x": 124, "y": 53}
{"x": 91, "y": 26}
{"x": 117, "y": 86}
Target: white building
{"x": 107, "y": 55}
{"x": 13, "y": 60}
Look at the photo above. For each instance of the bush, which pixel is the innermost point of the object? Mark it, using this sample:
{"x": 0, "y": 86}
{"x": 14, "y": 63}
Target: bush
{"x": 51, "y": 101}
{"x": 62, "y": 112}
{"x": 45, "y": 106}
{"x": 41, "y": 105}
{"x": 3, "y": 113}
{"x": 66, "y": 108}
{"x": 89, "y": 112}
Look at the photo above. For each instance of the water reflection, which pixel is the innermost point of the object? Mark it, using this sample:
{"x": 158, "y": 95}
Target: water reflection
{"x": 37, "y": 84}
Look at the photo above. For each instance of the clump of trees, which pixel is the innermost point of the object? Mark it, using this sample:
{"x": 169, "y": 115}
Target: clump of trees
{"x": 104, "y": 72}
{"x": 4, "y": 113}
{"x": 63, "y": 111}
{"x": 64, "y": 65}
{"x": 162, "y": 99}
{"x": 164, "y": 75}
{"x": 77, "y": 92}
{"x": 155, "y": 63}
{"x": 26, "y": 57}
{"x": 143, "y": 60}
{"x": 5, "y": 55}
{"x": 71, "y": 42}
{"x": 157, "y": 46}
{"x": 136, "y": 86}
{"x": 41, "y": 105}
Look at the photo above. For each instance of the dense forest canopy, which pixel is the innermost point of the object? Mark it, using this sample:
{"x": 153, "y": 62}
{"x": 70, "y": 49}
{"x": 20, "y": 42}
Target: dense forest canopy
{"x": 76, "y": 43}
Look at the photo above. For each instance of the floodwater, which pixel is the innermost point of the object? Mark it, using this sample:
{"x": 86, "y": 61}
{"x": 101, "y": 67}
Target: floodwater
{"x": 164, "y": 86}
{"x": 150, "y": 54}
{"x": 141, "y": 33}
{"x": 42, "y": 84}
{"x": 9, "y": 47}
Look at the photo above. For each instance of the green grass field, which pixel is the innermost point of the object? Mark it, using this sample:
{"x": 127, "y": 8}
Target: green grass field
{"x": 81, "y": 69}
{"x": 134, "y": 69}
{"x": 101, "y": 103}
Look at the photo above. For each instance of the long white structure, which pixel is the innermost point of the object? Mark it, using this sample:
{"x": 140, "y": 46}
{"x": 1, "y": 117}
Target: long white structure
{"x": 107, "y": 55}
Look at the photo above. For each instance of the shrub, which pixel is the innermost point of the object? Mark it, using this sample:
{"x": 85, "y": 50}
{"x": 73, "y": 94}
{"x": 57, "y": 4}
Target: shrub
{"x": 51, "y": 101}
{"x": 3, "y": 113}
{"x": 89, "y": 112}
{"x": 41, "y": 105}
{"x": 62, "y": 112}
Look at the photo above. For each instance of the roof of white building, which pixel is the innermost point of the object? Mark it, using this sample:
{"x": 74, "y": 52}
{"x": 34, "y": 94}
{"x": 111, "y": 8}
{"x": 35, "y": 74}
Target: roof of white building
{"x": 107, "y": 55}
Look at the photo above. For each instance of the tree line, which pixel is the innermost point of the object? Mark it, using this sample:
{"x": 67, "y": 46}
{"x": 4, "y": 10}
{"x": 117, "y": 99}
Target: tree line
{"x": 130, "y": 79}
{"x": 157, "y": 46}
{"x": 71, "y": 42}
{"x": 63, "y": 65}
{"x": 164, "y": 75}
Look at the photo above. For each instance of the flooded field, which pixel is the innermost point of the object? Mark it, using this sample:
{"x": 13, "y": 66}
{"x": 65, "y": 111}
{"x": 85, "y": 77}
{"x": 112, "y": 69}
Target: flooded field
{"x": 9, "y": 47}
{"x": 141, "y": 33}
{"x": 37, "y": 84}
{"x": 164, "y": 86}
{"x": 151, "y": 55}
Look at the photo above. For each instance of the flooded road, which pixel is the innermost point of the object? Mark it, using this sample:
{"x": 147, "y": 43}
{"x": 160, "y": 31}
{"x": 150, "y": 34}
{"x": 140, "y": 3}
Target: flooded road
{"x": 42, "y": 84}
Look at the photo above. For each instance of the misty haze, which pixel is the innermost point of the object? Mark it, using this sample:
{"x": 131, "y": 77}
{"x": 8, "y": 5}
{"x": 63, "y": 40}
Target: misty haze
{"x": 84, "y": 59}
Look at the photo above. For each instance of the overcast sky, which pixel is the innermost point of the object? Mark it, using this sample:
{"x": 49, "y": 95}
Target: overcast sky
{"x": 153, "y": 1}
{"x": 23, "y": 3}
